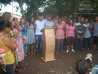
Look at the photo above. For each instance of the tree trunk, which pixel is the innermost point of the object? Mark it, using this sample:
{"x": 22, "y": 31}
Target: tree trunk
{"x": 37, "y": 8}
{"x": 22, "y": 11}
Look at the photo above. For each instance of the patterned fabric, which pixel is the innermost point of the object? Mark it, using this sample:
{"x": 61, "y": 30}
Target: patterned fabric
{"x": 59, "y": 31}
{"x": 23, "y": 32}
{"x": 30, "y": 35}
{"x": 19, "y": 41}
{"x": 87, "y": 33}
{"x": 81, "y": 28}
{"x": 12, "y": 34}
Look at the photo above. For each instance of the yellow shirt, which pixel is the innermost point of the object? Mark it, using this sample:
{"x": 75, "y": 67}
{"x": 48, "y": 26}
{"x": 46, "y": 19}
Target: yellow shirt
{"x": 9, "y": 57}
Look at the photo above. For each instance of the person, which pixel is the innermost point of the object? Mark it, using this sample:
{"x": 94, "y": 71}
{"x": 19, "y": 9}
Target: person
{"x": 54, "y": 20}
{"x": 59, "y": 35}
{"x": 19, "y": 41}
{"x": 15, "y": 19}
{"x": 95, "y": 32}
{"x": 7, "y": 43}
{"x": 70, "y": 35}
{"x": 82, "y": 67}
{"x": 0, "y": 18}
{"x": 23, "y": 32}
{"x": 49, "y": 22}
{"x": 7, "y": 16}
{"x": 39, "y": 25}
{"x": 12, "y": 35}
{"x": 80, "y": 31}
{"x": 30, "y": 36}
{"x": 87, "y": 35}
{"x": 65, "y": 19}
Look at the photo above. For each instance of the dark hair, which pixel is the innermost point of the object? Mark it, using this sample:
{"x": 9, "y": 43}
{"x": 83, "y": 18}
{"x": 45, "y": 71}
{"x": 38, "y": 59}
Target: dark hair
{"x": 21, "y": 21}
{"x": 6, "y": 16}
{"x": 30, "y": 20}
{"x": 82, "y": 66}
{"x": 14, "y": 19}
{"x": 40, "y": 15}
{"x": 4, "y": 24}
{"x": 69, "y": 22}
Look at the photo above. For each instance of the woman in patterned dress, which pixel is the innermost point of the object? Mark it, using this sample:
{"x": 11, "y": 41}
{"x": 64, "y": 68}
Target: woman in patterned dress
{"x": 19, "y": 41}
{"x": 23, "y": 32}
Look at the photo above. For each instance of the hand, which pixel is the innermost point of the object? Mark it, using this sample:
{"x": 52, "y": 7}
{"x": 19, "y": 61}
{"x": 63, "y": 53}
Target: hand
{"x": 79, "y": 36}
{"x": 73, "y": 36}
{"x": 19, "y": 29}
{"x": 1, "y": 60}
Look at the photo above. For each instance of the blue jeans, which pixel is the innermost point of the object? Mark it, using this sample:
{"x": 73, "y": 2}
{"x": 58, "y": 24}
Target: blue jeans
{"x": 39, "y": 42}
{"x": 88, "y": 42}
{"x": 78, "y": 42}
{"x": 59, "y": 44}
{"x": 9, "y": 69}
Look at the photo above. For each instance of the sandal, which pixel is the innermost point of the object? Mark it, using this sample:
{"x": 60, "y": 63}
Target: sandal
{"x": 32, "y": 53}
{"x": 20, "y": 66}
{"x": 28, "y": 54}
{"x": 17, "y": 70}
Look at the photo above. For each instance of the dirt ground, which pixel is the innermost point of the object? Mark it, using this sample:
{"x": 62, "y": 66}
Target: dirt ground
{"x": 64, "y": 63}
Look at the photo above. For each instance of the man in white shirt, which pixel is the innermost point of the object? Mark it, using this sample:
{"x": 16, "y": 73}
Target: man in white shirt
{"x": 39, "y": 25}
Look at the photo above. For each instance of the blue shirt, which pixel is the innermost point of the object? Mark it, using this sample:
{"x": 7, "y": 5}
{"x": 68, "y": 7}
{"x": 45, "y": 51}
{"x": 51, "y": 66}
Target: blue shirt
{"x": 95, "y": 31}
{"x": 49, "y": 23}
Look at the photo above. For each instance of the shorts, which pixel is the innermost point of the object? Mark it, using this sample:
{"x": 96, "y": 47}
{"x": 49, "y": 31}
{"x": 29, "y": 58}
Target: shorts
{"x": 95, "y": 40}
{"x": 70, "y": 41}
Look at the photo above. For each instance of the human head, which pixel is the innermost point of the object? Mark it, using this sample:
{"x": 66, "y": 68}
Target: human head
{"x": 59, "y": 20}
{"x": 16, "y": 24}
{"x": 22, "y": 21}
{"x": 31, "y": 20}
{"x": 54, "y": 19}
{"x": 65, "y": 17}
{"x": 82, "y": 19}
{"x": 5, "y": 26}
{"x": 41, "y": 17}
{"x": 71, "y": 22}
{"x": 91, "y": 21}
{"x": 86, "y": 20}
{"x": 70, "y": 15}
{"x": 15, "y": 19}
{"x": 7, "y": 16}
{"x": 96, "y": 18}
{"x": 82, "y": 66}
{"x": 75, "y": 20}
{"x": 79, "y": 19}
{"x": 49, "y": 17}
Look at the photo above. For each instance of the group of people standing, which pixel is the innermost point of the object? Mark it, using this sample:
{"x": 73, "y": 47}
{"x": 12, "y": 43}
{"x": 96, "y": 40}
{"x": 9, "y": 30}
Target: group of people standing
{"x": 22, "y": 38}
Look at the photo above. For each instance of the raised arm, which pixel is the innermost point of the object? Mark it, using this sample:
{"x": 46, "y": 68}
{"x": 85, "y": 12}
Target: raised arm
{"x": 9, "y": 43}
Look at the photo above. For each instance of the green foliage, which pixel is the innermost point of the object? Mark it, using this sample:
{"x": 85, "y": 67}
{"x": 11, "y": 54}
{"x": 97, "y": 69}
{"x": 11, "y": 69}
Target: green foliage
{"x": 51, "y": 10}
{"x": 5, "y": 1}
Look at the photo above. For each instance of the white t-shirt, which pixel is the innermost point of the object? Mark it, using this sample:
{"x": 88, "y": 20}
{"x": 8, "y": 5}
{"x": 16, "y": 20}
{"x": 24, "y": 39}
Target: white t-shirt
{"x": 39, "y": 26}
